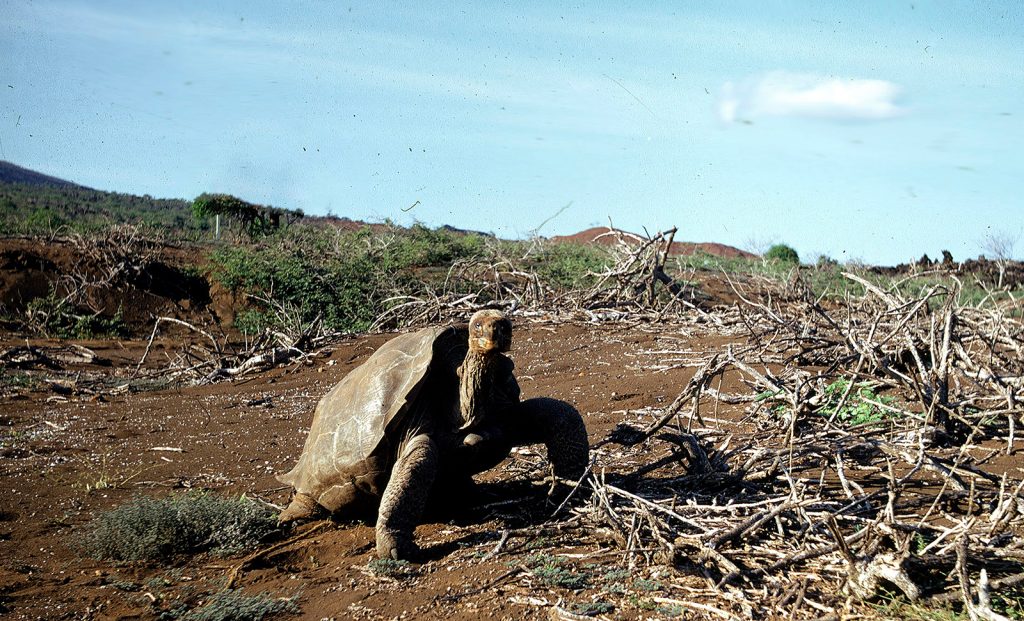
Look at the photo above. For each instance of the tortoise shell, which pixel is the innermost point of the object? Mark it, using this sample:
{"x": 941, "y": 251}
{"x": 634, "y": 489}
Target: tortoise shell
{"x": 358, "y": 419}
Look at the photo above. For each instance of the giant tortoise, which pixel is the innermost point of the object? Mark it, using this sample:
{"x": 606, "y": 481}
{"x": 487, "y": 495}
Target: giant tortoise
{"x": 429, "y": 408}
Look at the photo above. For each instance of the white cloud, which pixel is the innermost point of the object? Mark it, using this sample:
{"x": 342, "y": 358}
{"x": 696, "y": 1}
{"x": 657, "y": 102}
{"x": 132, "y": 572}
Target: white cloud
{"x": 780, "y": 93}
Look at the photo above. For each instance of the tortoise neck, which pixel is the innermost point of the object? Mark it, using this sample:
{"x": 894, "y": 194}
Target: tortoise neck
{"x": 472, "y": 400}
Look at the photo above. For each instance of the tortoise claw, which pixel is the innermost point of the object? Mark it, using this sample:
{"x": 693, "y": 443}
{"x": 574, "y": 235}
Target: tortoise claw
{"x": 396, "y": 546}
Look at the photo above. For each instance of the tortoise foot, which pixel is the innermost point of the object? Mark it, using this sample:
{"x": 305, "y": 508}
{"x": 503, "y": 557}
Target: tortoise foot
{"x": 396, "y": 546}
{"x": 302, "y": 507}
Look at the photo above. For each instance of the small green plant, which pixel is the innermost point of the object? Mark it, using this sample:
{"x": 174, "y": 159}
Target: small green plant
{"x": 781, "y": 253}
{"x": 771, "y": 400}
{"x": 16, "y": 379}
{"x": 126, "y": 585}
{"x": 554, "y": 571}
{"x": 862, "y": 405}
{"x": 643, "y": 584}
{"x": 643, "y": 603}
{"x": 539, "y": 543}
{"x": 148, "y": 528}
{"x": 670, "y": 610}
{"x": 920, "y": 543}
{"x": 1009, "y": 603}
{"x": 391, "y": 567}
{"x": 103, "y": 475}
{"x": 590, "y": 609}
{"x": 615, "y": 575}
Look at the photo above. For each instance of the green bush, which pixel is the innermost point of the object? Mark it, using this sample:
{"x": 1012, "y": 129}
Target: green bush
{"x": 782, "y": 253}
{"x": 342, "y": 290}
{"x": 234, "y": 605}
{"x": 571, "y": 266}
{"x": 343, "y": 277}
{"x": 55, "y": 316}
{"x": 419, "y": 247}
{"x": 148, "y": 528}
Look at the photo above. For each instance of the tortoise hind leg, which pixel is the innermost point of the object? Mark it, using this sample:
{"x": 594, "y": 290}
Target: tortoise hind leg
{"x": 559, "y": 426}
{"x": 405, "y": 497}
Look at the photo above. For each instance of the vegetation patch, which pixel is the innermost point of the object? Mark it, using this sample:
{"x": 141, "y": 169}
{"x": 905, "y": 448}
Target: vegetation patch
{"x": 29, "y": 209}
{"x": 569, "y": 266}
{"x": 147, "y": 528}
{"x": 861, "y": 405}
{"x": 391, "y": 567}
{"x": 556, "y": 572}
{"x": 255, "y": 220}
{"x": 782, "y": 253}
{"x": 56, "y": 316}
{"x": 233, "y": 605}
{"x": 591, "y": 609}
{"x": 344, "y": 278}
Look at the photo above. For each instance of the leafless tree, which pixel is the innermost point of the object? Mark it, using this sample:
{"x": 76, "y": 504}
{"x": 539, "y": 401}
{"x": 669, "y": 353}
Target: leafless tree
{"x": 998, "y": 246}
{"x": 758, "y": 245}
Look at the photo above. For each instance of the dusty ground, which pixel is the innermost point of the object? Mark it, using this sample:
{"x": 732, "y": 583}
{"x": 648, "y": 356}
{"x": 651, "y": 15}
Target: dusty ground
{"x": 66, "y": 457}
{"x": 75, "y": 442}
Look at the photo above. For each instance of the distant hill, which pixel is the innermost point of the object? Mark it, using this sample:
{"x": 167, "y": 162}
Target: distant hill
{"x": 594, "y": 235}
{"x": 32, "y": 203}
{"x": 12, "y": 173}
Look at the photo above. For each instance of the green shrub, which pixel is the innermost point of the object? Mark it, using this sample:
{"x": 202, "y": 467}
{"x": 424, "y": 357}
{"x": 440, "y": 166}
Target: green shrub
{"x": 419, "y": 246}
{"x": 344, "y": 277}
{"x": 643, "y": 584}
{"x": 782, "y": 253}
{"x": 234, "y": 605}
{"x": 148, "y": 528}
{"x": 55, "y": 316}
{"x": 344, "y": 291}
{"x": 571, "y": 266}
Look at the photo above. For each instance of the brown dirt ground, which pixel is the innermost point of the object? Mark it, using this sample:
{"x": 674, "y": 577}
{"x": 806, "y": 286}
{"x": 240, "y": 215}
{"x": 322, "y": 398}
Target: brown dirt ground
{"x": 58, "y": 449}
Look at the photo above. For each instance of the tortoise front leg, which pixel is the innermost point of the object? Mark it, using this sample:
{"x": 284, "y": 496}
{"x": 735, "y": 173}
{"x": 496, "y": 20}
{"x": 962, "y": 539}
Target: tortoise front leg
{"x": 558, "y": 426}
{"x": 404, "y": 498}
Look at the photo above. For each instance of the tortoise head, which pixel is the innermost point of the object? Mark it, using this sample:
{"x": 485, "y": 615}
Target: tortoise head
{"x": 489, "y": 330}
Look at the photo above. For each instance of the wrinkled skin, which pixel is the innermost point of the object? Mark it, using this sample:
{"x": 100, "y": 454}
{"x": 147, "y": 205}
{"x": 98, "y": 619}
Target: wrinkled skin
{"x": 432, "y": 437}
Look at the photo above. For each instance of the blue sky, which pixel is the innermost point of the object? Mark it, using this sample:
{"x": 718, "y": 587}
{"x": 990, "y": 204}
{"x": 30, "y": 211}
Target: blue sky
{"x": 875, "y": 131}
